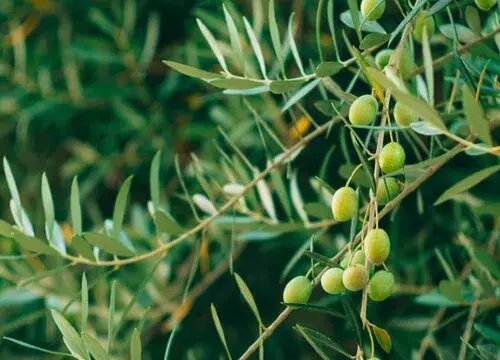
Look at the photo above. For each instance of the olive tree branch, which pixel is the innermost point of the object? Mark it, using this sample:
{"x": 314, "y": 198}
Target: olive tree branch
{"x": 226, "y": 207}
{"x": 431, "y": 170}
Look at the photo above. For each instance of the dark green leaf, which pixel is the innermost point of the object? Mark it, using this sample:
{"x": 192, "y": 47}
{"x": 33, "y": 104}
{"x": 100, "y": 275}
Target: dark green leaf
{"x": 475, "y": 116}
{"x": 488, "y": 262}
{"x": 372, "y": 40}
{"x": 328, "y": 68}
{"x": 467, "y": 183}
{"x": 191, "y": 71}
{"x": 320, "y": 342}
{"x": 320, "y": 258}
{"x": 353, "y": 317}
{"x": 107, "y": 244}
{"x": 166, "y": 224}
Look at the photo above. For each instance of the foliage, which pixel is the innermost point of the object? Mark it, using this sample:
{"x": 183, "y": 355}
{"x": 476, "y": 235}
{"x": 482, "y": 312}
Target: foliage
{"x": 98, "y": 264}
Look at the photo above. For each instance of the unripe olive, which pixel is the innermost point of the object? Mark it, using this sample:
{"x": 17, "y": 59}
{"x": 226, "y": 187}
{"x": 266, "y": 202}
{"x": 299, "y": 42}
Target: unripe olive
{"x": 382, "y": 58}
{"x": 331, "y": 281}
{"x": 355, "y": 277}
{"x": 358, "y": 258}
{"x": 406, "y": 62}
{"x": 392, "y": 157}
{"x": 298, "y": 290}
{"x": 371, "y": 11}
{"x": 381, "y": 285}
{"x": 344, "y": 204}
{"x": 403, "y": 115}
{"x": 377, "y": 246}
{"x": 421, "y": 21}
{"x": 485, "y": 5}
{"x": 363, "y": 110}
{"x": 387, "y": 189}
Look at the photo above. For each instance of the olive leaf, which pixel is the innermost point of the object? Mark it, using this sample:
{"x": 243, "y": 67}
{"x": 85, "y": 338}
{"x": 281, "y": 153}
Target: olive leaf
{"x": 383, "y": 338}
{"x": 321, "y": 343}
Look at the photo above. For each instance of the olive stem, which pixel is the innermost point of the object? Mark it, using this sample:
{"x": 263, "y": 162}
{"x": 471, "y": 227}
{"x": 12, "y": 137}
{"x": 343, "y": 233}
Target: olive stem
{"x": 353, "y": 173}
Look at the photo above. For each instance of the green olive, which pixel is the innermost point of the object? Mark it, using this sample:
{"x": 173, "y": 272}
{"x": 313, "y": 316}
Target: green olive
{"x": 392, "y": 157}
{"x": 298, "y": 290}
{"x": 377, "y": 246}
{"x": 387, "y": 189}
{"x": 406, "y": 62}
{"x": 363, "y": 110}
{"x": 344, "y": 204}
{"x": 331, "y": 281}
{"x": 371, "y": 11}
{"x": 383, "y": 57}
{"x": 421, "y": 21}
{"x": 485, "y": 5}
{"x": 355, "y": 277}
{"x": 358, "y": 258}
{"x": 381, "y": 285}
{"x": 403, "y": 115}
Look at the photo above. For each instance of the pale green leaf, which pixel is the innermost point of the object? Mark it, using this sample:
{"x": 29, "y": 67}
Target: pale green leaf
{"x": 213, "y": 44}
{"x": 247, "y": 295}
{"x": 85, "y": 303}
{"x": 95, "y": 348}
{"x": 234, "y": 37}
{"x": 256, "y": 47}
{"x": 191, "y": 71}
{"x": 120, "y": 207}
{"x": 135, "y": 346}
{"x": 70, "y": 336}
{"x": 220, "y": 330}
{"x": 75, "y": 208}
{"x": 474, "y": 114}
{"x": 154, "y": 181}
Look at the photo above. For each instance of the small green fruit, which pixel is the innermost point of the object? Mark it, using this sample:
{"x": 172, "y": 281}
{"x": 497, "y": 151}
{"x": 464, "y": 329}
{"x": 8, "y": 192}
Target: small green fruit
{"x": 383, "y": 57}
{"x": 406, "y": 62}
{"x": 371, "y": 11}
{"x": 387, "y": 189}
{"x": 298, "y": 290}
{"x": 377, "y": 246}
{"x": 485, "y": 5}
{"x": 358, "y": 258}
{"x": 421, "y": 21}
{"x": 381, "y": 285}
{"x": 392, "y": 157}
{"x": 355, "y": 277}
{"x": 331, "y": 281}
{"x": 363, "y": 110}
{"x": 344, "y": 204}
{"x": 403, "y": 115}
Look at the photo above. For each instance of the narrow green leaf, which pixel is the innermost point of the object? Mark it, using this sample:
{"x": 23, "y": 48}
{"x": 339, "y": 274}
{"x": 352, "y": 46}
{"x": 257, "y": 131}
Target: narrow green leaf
{"x": 11, "y": 183}
{"x": 107, "y": 243}
{"x": 293, "y": 45}
{"x": 355, "y": 16}
{"x": 235, "y": 83}
{"x": 247, "y": 295}
{"x": 70, "y": 336}
{"x": 368, "y": 26}
{"x": 166, "y": 224}
{"x": 275, "y": 36}
{"x": 284, "y": 86}
{"x": 328, "y": 68}
{"x": 419, "y": 106}
{"x": 300, "y": 94}
{"x": 82, "y": 247}
{"x": 473, "y": 19}
{"x": 353, "y": 317}
{"x": 220, "y": 330}
{"x": 213, "y": 44}
{"x": 191, "y": 71}
{"x": 33, "y": 347}
{"x": 383, "y": 338}
{"x": 467, "y": 183}
{"x": 120, "y": 207}
{"x": 154, "y": 181}
{"x": 372, "y": 40}
{"x": 111, "y": 316}
{"x": 85, "y": 303}
{"x": 256, "y": 47}
{"x": 438, "y": 6}
{"x": 234, "y": 37}
{"x": 135, "y": 346}
{"x": 488, "y": 332}
{"x": 320, "y": 342}
{"x": 32, "y": 243}
{"x": 280, "y": 188}
{"x": 451, "y": 289}
{"x": 429, "y": 71}
{"x": 48, "y": 205}
{"x": 474, "y": 114}
{"x": 76, "y": 211}
{"x": 320, "y": 258}
{"x": 95, "y": 348}
{"x": 318, "y": 209}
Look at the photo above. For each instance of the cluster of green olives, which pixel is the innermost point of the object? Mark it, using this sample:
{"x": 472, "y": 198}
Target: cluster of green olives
{"x": 353, "y": 274}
